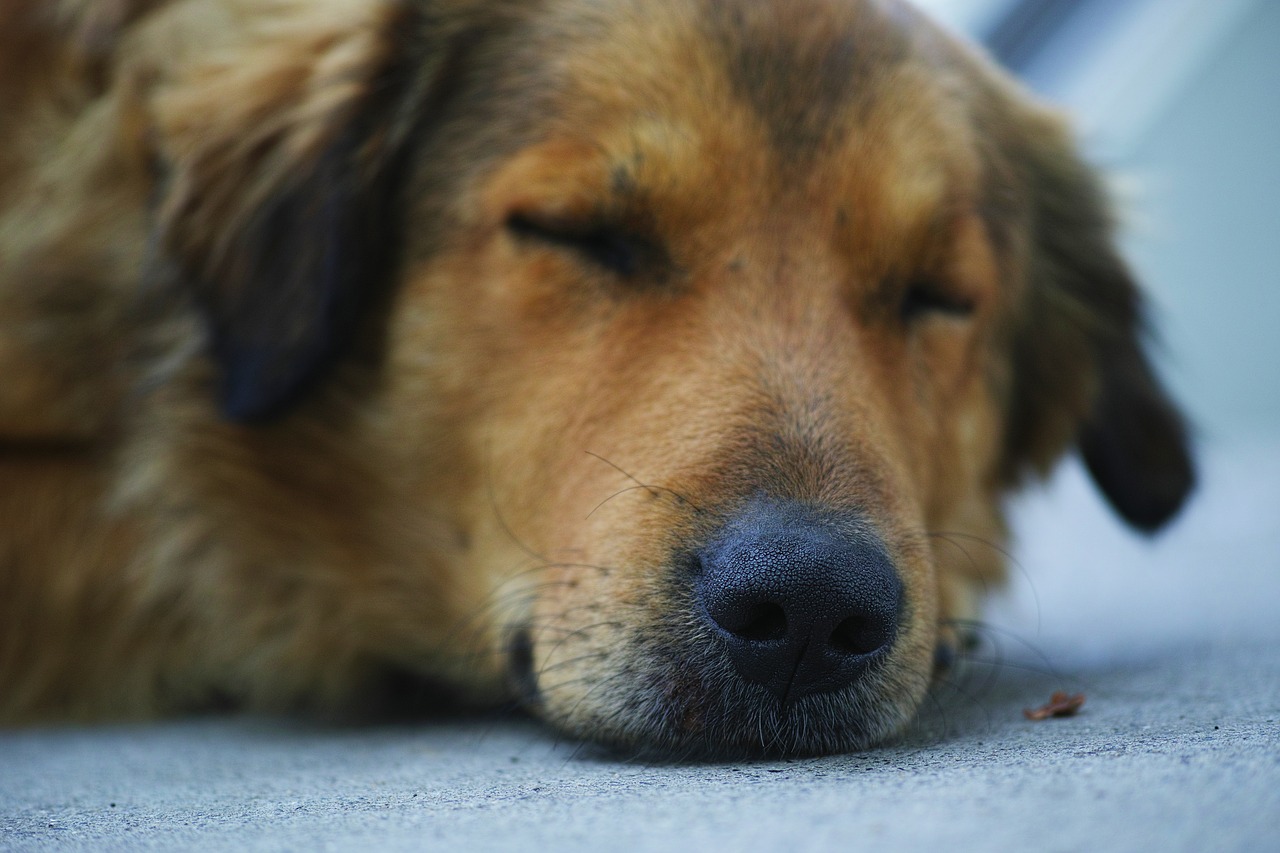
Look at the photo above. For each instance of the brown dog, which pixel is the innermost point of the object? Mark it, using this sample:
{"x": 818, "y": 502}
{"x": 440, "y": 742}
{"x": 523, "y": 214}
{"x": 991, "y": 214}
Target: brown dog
{"x": 661, "y": 363}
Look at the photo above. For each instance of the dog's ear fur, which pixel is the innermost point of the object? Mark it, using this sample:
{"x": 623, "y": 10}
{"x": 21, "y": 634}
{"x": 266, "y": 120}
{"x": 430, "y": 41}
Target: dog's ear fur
{"x": 278, "y": 211}
{"x": 1134, "y": 442}
{"x": 1079, "y": 371}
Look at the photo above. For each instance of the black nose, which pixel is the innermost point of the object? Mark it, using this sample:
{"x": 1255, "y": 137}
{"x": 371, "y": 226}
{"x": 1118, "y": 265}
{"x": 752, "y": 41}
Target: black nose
{"x": 804, "y": 600}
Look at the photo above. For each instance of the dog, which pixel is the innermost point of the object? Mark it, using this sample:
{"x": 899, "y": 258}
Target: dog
{"x": 662, "y": 366}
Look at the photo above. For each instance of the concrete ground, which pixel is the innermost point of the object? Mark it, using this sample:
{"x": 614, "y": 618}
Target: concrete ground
{"x": 1178, "y": 747}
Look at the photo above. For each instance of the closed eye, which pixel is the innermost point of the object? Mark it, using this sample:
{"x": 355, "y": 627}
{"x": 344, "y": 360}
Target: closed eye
{"x": 604, "y": 245}
{"x": 927, "y": 298}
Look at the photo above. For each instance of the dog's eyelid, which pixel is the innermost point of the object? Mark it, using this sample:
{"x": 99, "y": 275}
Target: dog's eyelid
{"x": 599, "y": 241}
{"x": 926, "y": 296}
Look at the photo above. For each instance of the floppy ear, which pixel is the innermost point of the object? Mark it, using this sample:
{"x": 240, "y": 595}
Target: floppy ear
{"x": 1134, "y": 442}
{"x": 1080, "y": 373}
{"x": 279, "y": 211}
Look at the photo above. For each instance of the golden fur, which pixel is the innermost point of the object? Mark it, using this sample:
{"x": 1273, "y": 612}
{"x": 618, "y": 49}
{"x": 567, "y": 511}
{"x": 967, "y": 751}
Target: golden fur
{"x": 345, "y": 340}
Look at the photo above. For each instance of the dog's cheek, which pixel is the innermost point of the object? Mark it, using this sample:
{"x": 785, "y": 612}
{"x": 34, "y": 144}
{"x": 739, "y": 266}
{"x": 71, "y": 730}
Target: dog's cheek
{"x": 586, "y": 618}
{"x": 925, "y": 598}
{"x": 967, "y": 529}
{"x": 951, "y": 523}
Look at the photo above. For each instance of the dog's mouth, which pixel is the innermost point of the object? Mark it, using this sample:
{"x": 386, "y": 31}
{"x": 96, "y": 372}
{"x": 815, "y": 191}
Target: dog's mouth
{"x": 778, "y": 637}
{"x": 663, "y": 701}
{"x": 520, "y": 668}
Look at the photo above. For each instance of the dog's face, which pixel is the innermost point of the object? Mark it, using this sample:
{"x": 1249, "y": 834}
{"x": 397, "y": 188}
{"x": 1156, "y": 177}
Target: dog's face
{"x": 714, "y": 334}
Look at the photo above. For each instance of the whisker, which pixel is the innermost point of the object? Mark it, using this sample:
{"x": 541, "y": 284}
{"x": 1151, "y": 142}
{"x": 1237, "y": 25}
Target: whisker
{"x": 469, "y": 626}
{"x": 971, "y": 698}
{"x": 497, "y": 512}
{"x": 951, "y": 535}
{"x": 652, "y": 489}
{"x": 501, "y": 596}
{"x": 618, "y": 493}
{"x": 580, "y": 632}
{"x": 991, "y": 631}
{"x": 571, "y": 661}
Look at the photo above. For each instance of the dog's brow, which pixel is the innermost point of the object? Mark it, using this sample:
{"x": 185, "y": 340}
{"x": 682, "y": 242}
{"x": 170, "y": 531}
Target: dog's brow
{"x": 622, "y": 180}
{"x": 803, "y": 74}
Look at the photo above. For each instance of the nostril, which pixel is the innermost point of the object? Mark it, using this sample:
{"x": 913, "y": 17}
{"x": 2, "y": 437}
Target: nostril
{"x": 765, "y": 621}
{"x": 756, "y": 622}
{"x": 858, "y": 635}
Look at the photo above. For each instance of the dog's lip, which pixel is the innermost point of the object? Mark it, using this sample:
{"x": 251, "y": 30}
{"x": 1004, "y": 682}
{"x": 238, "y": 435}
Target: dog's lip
{"x": 520, "y": 667}
{"x": 700, "y": 730}
{"x": 696, "y": 710}
{"x": 944, "y": 658}
{"x": 683, "y": 700}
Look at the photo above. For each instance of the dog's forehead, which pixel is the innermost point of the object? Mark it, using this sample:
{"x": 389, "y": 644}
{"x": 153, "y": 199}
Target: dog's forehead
{"x": 809, "y": 80}
{"x": 807, "y": 68}
{"x": 837, "y": 109}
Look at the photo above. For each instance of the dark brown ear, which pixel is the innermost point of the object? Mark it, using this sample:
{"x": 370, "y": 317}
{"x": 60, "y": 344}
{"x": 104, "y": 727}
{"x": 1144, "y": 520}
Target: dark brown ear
{"x": 1079, "y": 370}
{"x": 1134, "y": 442}
{"x": 280, "y": 209}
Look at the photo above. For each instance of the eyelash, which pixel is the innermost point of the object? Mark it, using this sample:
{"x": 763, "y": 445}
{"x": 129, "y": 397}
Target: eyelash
{"x": 927, "y": 297}
{"x": 604, "y": 246}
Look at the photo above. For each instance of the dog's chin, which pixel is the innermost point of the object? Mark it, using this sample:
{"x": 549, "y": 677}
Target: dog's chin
{"x": 670, "y": 705}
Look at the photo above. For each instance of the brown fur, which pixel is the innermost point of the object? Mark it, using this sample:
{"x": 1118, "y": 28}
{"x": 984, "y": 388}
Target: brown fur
{"x": 314, "y": 375}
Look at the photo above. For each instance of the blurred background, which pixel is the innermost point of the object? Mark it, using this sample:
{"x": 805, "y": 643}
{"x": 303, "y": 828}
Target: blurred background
{"x": 1179, "y": 101}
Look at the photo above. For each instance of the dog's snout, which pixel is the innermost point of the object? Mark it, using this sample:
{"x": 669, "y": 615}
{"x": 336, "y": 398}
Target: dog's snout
{"x": 804, "y": 602}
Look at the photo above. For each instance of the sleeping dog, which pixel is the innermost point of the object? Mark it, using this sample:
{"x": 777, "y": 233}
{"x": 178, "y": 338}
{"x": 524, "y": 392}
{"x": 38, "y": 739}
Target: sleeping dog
{"x": 662, "y": 365}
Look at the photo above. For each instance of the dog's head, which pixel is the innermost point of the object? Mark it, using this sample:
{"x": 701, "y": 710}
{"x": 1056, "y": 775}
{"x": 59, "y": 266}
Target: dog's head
{"x": 713, "y": 332}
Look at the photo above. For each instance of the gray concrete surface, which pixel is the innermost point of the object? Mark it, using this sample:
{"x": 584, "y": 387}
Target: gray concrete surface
{"x": 1180, "y": 753}
{"x": 1178, "y": 747}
